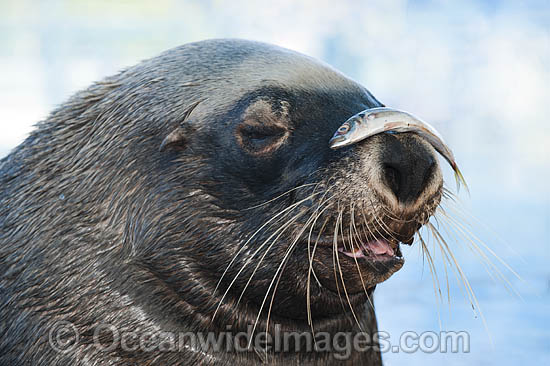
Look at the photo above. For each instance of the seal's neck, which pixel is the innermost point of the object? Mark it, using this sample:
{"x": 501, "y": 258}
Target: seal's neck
{"x": 234, "y": 333}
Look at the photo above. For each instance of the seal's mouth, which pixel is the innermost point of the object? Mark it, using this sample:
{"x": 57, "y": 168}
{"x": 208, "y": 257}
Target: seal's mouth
{"x": 379, "y": 249}
{"x": 358, "y": 259}
{"x": 370, "y": 248}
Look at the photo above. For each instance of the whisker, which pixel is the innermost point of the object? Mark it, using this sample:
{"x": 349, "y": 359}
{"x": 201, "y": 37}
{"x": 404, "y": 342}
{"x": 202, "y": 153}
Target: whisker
{"x": 366, "y": 225}
{"x": 352, "y": 226}
{"x": 280, "y": 268}
{"x": 322, "y": 201}
{"x": 435, "y": 278}
{"x": 279, "y": 232}
{"x": 389, "y": 214}
{"x": 335, "y": 255}
{"x": 281, "y": 195}
{"x": 446, "y": 261}
{"x": 471, "y": 295}
{"x": 286, "y": 210}
{"x": 310, "y": 271}
{"x": 490, "y": 267}
{"x": 473, "y": 237}
{"x": 311, "y": 254}
{"x": 342, "y": 279}
{"x": 382, "y": 225}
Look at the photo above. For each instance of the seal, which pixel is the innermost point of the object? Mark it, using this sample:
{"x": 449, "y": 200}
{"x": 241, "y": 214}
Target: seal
{"x": 195, "y": 193}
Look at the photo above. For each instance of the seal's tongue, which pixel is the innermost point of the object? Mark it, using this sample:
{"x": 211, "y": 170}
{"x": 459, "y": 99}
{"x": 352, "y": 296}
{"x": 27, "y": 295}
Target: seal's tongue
{"x": 376, "y": 247}
{"x": 379, "y": 247}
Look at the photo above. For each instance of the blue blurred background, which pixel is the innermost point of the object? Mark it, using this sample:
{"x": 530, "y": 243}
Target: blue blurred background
{"x": 477, "y": 70}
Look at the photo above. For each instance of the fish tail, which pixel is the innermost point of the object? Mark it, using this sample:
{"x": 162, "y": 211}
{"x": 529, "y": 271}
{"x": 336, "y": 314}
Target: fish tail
{"x": 460, "y": 179}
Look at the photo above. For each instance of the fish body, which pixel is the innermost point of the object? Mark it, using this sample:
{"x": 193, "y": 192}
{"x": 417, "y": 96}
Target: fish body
{"x": 374, "y": 121}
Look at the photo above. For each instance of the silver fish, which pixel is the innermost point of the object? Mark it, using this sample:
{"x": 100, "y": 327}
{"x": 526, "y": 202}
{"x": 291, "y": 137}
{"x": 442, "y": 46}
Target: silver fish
{"x": 373, "y": 121}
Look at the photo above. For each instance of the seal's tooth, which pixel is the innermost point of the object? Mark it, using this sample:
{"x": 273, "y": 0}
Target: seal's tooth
{"x": 356, "y": 253}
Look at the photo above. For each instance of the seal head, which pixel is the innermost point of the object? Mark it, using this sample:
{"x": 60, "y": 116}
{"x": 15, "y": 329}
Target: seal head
{"x": 197, "y": 190}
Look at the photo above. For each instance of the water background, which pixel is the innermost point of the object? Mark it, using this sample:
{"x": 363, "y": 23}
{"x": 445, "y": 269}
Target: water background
{"x": 477, "y": 70}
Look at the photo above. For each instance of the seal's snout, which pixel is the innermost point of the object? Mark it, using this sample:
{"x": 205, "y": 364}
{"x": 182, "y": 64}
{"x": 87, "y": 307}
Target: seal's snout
{"x": 409, "y": 168}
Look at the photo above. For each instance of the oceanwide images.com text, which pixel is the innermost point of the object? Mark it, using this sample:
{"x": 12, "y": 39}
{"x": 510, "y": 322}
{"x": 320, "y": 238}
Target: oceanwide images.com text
{"x": 64, "y": 337}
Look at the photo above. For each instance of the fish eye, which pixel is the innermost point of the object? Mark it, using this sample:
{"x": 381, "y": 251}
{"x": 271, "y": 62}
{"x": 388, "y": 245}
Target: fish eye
{"x": 344, "y": 128}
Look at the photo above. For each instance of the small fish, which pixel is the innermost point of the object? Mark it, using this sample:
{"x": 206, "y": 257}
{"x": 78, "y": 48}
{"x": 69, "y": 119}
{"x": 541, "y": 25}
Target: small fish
{"x": 373, "y": 121}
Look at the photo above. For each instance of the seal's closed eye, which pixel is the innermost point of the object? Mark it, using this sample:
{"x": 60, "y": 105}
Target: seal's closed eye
{"x": 262, "y": 130}
{"x": 256, "y": 137}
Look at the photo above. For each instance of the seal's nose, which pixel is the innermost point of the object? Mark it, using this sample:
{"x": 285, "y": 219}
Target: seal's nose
{"x": 408, "y": 166}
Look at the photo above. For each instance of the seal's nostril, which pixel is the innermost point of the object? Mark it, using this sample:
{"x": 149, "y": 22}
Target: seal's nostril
{"x": 408, "y": 166}
{"x": 393, "y": 178}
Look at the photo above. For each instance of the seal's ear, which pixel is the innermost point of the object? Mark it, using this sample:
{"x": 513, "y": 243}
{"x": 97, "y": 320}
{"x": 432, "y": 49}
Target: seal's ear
{"x": 178, "y": 137}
